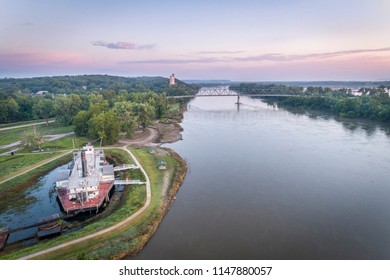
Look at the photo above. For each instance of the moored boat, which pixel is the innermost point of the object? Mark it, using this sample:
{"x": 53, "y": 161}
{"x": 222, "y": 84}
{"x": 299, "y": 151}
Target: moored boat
{"x": 49, "y": 225}
{"x": 88, "y": 184}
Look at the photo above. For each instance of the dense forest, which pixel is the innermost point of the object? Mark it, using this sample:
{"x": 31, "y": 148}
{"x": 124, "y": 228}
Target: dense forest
{"x": 372, "y": 102}
{"x": 45, "y": 97}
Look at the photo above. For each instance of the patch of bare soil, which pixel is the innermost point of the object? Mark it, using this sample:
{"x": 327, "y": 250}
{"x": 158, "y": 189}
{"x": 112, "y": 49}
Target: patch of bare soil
{"x": 159, "y": 133}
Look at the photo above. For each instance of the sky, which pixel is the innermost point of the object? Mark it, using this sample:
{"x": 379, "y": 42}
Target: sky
{"x": 243, "y": 40}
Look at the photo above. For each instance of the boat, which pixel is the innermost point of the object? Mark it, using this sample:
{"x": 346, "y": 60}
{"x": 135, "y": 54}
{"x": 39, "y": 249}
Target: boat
{"x": 49, "y": 231}
{"x": 49, "y": 226}
{"x": 86, "y": 187}
{"x": 50, "y": 222}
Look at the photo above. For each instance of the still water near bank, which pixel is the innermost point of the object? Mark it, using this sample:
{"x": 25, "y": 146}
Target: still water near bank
{"x": 265, "y": 183}
{"x": 21, "y": 208}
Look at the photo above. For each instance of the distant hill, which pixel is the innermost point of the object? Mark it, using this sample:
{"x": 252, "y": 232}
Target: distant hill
{"x": 333, "y": 84}
{"x": 208, "y": 82}
{"x": 90, "y": 83}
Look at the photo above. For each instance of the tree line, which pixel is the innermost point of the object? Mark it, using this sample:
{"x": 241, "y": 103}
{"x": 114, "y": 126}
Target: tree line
{"x": 105, "y": 119}
{"x": 19, "y": 102}
{"x": 372, "y": 103}
{"x": 93, "y": 83}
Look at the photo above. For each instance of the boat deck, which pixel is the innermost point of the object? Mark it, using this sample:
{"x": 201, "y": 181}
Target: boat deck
{"x": 92, "y": 204}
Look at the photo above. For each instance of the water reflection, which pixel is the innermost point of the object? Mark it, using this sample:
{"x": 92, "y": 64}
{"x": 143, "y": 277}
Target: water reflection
{"x": 367, "y": 126}
{"x": 269, "y": 183}
{"x": 28, "y": 205}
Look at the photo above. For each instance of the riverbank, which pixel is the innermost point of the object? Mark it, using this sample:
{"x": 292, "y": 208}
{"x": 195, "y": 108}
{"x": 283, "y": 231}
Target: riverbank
{"x": 160, "y": 132}
{"x": 172, "y": 188}
{"x": 130, "y": 237}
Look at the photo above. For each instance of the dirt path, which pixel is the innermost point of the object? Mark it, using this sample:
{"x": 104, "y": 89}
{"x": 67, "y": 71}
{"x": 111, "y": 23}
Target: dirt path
{"x": 25, "y": 125}
{"x": 143, "y": 139}
{"x": 114, "y": 227}
{"x": 165, "y": 182}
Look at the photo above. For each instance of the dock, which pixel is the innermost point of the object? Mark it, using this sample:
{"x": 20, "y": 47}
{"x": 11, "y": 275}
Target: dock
{"x": 5, "y": 232}
{"x": 128, "y": 182}
{"x": 125, "y": 167}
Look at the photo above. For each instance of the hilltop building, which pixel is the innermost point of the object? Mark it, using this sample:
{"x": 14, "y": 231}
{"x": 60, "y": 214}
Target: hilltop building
{"x": 172, "y": 80}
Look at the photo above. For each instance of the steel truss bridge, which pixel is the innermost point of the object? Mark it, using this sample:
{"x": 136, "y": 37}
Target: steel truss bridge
{"x": 225, "y": 91}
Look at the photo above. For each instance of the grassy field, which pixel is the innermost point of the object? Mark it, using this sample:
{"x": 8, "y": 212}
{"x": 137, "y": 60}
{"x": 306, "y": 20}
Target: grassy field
{"x": 130, "y": 237}
{"x": 11, "y": 164}
{"x": 24, "y": 123}
{"x": 66, "y": 143}
{"x": 32, "y": 160}
{"x": 16, "y": 134}
{"x": 23, "y": 159}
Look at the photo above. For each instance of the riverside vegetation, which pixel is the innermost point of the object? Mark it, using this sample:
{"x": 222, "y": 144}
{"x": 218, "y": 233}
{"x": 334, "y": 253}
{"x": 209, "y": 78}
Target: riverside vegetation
{"x": 373, "y": 103}
{"x": 130, "y": 238}
{"x": 106, "y": 112}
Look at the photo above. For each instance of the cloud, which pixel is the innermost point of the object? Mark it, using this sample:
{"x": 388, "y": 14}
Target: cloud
{"x": 220, "y": 52}
{"x": 278, "y": 57}
{"x": 268, "y": 57}
{"x": 174, "y": 61}
{"x": 122, "y": 45}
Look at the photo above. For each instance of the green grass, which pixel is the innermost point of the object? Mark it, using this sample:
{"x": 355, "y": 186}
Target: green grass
{"x": 10, "y": 164}
{"x": 23, "y": 123}
{"x": 120, "y": 241}
{"x": 65, "y": 143}
{"x": 22, "y": 161}
{"x": 16, "y": 134}
{"x": 117, "y": 156}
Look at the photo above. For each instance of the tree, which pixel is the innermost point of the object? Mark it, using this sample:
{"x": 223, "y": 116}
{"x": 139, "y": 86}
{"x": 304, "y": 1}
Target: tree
{"x": 32, "y": 140}
{"x": 104, "y": 125}
{"x": 124, "y": 111}
{"x": 161, "y": 106}
{"x": 3, "y": 112}
{"x": 44, "y": 109}
{"x": 13, "y": 109}
{"x": 145, "y": 113}
{"x": 25, "y": 103}
{"x": 80, "y": 122}
{"x": 67, "y": 107}
{"x": 97, "y": 104}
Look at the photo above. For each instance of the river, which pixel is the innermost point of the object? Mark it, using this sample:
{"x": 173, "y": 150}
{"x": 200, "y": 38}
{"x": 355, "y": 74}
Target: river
{"x": 265, "y": 183}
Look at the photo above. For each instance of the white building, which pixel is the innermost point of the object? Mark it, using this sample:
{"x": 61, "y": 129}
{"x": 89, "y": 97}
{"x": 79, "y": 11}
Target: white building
{"x": 41, "y": 92}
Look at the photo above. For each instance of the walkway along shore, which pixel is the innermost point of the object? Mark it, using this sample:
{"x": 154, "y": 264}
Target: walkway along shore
{"x": 118, "y": 225}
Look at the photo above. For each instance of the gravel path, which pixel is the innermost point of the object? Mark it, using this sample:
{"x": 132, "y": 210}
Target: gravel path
{"x": 150, "y": 137}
